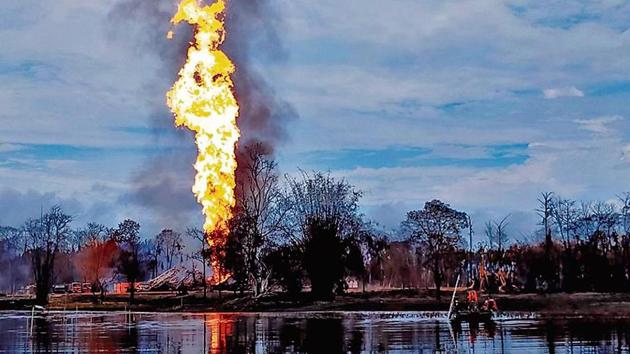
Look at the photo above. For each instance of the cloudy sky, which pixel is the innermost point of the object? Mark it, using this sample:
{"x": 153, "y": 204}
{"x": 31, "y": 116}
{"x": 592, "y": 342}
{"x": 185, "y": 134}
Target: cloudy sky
{"x": 483, "y": 104}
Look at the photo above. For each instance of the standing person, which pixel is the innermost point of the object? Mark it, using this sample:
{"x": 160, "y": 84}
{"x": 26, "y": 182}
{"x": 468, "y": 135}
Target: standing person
{"x": 472, "y": 299}
{"x": 502, "y": 280}
{"x": 483, "y": 275}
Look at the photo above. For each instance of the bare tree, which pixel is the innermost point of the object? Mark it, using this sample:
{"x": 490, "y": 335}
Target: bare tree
{"x": 625, "y": 212}
{"x": 585, "y": 220}
{"x": 565, "y": 216}
{"x": 372, "y": 243}
{"x": 469, "y": 254}
{"x": 260, "y": 213}
{"x": 14, "y": 245}
{"x": 90, "y": 234}
{"x": 490, "y": 233}
{"x": 496, "y": 233}
{"x": 545, "y": 211}
{"x": 437, "y": 228}
{"x": 154, "y": 251}
{"x": 501, "y": 234}
{"x": 203, "y": 254}
{"x": 15, "y": 239}
{"x": 47, "y": 235}
{"x": 170, "y": 243}
{"x": 605, "y": 218}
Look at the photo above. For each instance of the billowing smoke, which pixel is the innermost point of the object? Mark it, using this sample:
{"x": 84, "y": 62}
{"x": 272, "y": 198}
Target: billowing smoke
{"x": 252, "y": 27}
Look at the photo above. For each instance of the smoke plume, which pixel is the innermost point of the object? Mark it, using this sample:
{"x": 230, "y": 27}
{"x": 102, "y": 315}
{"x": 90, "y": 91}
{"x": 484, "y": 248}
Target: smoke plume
{"x": 252, "y": 27}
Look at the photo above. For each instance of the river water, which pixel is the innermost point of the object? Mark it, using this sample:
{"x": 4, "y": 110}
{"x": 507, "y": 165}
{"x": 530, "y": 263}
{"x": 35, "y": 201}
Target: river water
{"x": 343, "y": 332}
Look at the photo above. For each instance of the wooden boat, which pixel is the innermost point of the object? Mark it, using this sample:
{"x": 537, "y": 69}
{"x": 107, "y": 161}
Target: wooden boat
{"x": 471, "y": 316}
{"x": 471, "y": 312}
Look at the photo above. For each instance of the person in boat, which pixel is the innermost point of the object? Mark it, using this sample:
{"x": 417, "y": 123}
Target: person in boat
{"x": 489, "y": 305}
{"x": 514, "y": 286}
{"x": 473, "y": 300}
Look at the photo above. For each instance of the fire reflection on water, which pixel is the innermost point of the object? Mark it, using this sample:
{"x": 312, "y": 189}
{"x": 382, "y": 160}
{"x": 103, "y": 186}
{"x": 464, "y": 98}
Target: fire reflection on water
{"x": 221, "y": 328}
{"x": 301, "y": 332}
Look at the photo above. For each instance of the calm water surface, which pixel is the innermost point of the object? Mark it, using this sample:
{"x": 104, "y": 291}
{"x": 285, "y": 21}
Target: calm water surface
{"x": 347, "y": 332}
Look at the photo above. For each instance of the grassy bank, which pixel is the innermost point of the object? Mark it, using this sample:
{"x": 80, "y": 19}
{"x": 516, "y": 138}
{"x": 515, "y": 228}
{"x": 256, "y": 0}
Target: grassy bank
{"x": 560, "y": 304}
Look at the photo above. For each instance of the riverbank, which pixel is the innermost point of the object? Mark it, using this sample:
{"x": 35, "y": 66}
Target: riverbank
{"x": 561, "y": 304}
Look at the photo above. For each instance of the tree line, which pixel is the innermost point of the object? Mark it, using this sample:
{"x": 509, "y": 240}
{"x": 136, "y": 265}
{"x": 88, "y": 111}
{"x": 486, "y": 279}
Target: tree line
{"x": 286, "y": 233}
{"x": 306, "y": 231}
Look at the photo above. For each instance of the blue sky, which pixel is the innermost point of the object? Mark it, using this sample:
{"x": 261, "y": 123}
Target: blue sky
{"x": 483, "y": 104}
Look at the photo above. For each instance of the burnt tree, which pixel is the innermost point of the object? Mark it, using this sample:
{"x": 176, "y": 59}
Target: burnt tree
{"x": 169, "y": 243}
{"x": 545, "y": 211}
{"x": 202, "y": 254}
{"x": 259, "y": 213}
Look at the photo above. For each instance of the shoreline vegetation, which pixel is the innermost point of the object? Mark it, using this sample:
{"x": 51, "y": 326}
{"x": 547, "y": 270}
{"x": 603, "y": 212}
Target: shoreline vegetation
{"x": 301, "y": 242}
{"x": 543, "y": 305}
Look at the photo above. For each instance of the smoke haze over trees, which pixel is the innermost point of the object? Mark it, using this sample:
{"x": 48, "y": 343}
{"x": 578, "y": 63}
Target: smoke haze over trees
{"x": 305, "y": 235}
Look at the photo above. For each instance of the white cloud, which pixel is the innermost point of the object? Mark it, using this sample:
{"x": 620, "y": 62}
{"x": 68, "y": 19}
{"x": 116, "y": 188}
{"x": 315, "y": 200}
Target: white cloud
{"x": 495, "y": 192}
{"x": 572, "y": 91}
{"x": 493, "y": 63}
{"x": 599, "y": 125}
{"x": 64, "y": 73}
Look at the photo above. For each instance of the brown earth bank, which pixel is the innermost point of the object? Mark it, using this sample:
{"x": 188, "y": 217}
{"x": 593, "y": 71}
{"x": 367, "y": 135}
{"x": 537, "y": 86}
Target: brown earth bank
{"x": 552, "y": 305}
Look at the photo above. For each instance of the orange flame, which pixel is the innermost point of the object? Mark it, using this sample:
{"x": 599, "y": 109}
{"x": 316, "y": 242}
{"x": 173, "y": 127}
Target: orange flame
{"x": 202, "y": 99}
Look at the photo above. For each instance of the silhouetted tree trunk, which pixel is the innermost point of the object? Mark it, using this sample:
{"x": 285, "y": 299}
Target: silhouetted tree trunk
{"x": 47, "y": 236}
{"x": 323, "y": 259}
{"x": 437, "y": 277}
{"x": 128, "y": 236}
{"x": 545, "y": 211}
